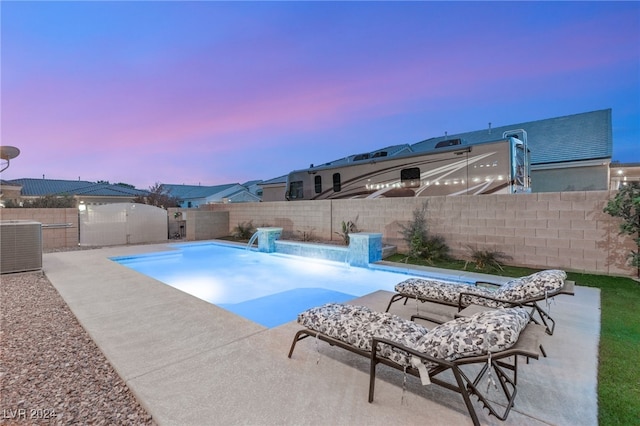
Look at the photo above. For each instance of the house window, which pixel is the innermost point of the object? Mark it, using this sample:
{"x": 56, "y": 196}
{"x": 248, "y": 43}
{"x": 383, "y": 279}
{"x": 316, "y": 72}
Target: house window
{"x": 295, "y": 190}
{"x": 318, "y": 184}
{"x": 410, "y": 178}
{"x": 337, "y": 186}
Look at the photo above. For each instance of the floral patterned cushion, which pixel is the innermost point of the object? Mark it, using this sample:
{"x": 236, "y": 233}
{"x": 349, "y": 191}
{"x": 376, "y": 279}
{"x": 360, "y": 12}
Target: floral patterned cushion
{"x": 532, "y": 286}
{"x": 517, "y": 290}
{"x": 356, "y": 325}
{"x": 438, "y": 290}
{"x": 489, "y": 331}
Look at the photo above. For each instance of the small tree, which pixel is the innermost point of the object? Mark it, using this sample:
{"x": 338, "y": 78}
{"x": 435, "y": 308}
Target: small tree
{"x": 158, "y": 196}
{"x": 626, "y": 205}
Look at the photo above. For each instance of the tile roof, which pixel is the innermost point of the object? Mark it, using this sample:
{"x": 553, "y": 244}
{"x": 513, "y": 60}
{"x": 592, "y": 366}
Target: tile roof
{"x": 42, "y": 187}
{"x": 185, "y": 192}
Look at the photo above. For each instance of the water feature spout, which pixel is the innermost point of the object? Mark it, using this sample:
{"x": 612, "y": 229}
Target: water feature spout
{"x": 253, "y": 238}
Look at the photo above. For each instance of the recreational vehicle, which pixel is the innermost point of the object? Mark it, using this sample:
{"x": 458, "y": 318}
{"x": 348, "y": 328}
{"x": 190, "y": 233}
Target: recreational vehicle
{"x": 451, "y": 167}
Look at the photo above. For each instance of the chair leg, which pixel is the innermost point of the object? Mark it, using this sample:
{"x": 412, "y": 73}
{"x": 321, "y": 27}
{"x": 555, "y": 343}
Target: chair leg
{"x": 465, "y": 395}
{"x": 296, "y": 339}
{"x": 372, "y": 371}
{"x": 394, "y": 299}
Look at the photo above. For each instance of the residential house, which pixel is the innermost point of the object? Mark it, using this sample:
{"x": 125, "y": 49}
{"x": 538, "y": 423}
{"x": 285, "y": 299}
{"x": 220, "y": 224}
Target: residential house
{"x": 192, "y": 196}
{"x": 83, "y": 192}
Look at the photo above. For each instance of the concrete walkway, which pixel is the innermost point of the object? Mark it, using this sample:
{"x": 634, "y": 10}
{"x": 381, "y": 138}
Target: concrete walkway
{"x": 192, "y": 363}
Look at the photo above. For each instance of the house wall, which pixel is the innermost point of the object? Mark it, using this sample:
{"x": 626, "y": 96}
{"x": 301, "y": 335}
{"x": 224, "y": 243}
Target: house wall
{"x": 591, "y": 178}
{"x": 273, "y": 192}
{"x": 59, "y": 226}
{"x": 566, "y": 230}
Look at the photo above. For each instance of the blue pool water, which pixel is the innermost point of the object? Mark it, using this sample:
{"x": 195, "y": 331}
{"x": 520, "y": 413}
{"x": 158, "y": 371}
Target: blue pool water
{"x": 270, "y": 289}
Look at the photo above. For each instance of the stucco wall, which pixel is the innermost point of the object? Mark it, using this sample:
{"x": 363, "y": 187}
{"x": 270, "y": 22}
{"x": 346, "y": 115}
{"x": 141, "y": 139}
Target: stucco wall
{"x": 547, "y": 230}
{"x": 60, "y": 226}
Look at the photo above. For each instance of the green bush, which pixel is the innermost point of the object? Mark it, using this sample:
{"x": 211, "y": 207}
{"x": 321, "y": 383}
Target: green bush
{"x": 421, "y": 244}
{"x": 244, "y": 230}
{"x": 46, "y": 202}
{"x": 348, "y": 227}
{"x": 626, "y": 205}
{"x": 487, "y": 260}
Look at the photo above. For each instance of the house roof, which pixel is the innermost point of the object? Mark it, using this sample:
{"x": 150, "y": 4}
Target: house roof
{"x": 190, "y": 192}
{"x": 42, "y": 187}
{"x": 577, "y": 137}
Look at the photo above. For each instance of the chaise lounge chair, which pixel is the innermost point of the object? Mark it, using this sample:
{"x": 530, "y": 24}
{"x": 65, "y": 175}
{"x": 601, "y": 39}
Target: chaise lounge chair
{"x": 524, "y": 291}
{"x": 488, "y": 339}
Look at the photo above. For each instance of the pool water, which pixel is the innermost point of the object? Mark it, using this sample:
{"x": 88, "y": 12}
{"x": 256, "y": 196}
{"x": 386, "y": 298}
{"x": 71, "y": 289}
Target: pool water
{"x": 270, "y": 289}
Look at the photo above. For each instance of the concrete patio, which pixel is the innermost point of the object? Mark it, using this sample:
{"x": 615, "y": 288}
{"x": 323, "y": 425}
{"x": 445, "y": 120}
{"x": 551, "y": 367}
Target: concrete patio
{"x": 192, "y": 363}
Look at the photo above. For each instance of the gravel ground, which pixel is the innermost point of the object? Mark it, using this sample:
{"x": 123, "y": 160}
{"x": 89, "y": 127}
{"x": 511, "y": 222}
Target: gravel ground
{"x": 51, "y": 372}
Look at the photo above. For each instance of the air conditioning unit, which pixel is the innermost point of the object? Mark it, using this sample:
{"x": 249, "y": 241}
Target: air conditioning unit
{"x": 20, "y": 246}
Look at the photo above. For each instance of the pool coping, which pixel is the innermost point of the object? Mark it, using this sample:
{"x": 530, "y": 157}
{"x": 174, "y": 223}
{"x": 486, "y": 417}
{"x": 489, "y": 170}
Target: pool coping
{"x": 190, "y": 362}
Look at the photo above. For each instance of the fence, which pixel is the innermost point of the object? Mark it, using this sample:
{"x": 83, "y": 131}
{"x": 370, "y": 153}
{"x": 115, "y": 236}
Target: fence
{"x": 566, "y": 230}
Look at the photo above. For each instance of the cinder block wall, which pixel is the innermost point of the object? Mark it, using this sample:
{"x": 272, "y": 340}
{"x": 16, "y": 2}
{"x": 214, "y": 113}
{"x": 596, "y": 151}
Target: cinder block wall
{"x": 60, "y": 226}
{"x": 565, "y": 230}
{"x": 294, "y": 217}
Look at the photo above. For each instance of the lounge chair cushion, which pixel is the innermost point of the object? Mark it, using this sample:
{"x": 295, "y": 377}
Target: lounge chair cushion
{"x": 488, "y": 331}
{"x": 438, "y": 290}
{"x": 532, "y": 286}
{"x": 357, "y": 325}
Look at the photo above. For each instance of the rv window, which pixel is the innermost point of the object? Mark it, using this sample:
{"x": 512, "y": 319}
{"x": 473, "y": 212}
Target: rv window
{"x": 410, "y": 178}
{"x": 360, "y": 157}
{"x": 295, "y": 190}
{"x": 318, "y": 184}
{"x": 449, "y": 142}
{"x": 337, "y": 186}
{"x": 380, "y": 154}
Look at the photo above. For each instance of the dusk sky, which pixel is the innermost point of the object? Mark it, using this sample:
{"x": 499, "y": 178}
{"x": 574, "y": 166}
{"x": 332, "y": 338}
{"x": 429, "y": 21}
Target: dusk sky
{"x": 222, "y": 92}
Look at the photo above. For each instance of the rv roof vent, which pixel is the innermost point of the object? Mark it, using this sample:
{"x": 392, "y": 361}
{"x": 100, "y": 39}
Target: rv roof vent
{"x": 449, "y": 142}
{"x": 380, "y": 154}
{"x": 360, "y": 157}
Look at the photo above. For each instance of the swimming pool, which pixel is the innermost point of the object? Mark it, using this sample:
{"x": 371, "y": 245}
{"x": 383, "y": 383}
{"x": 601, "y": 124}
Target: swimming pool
{"x": 270, "y": 289}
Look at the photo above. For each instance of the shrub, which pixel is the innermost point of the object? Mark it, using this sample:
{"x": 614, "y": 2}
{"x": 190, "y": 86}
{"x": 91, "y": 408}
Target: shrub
{"x": 348, "y": 228}
{"x": 421, "y": 244}
{"x": 244, "y": 230}
{"x": 487, "y": 259}
{"x": 45, "y": 202}
{"x": 306, "y": 235}
{"x": 626, "y": 205}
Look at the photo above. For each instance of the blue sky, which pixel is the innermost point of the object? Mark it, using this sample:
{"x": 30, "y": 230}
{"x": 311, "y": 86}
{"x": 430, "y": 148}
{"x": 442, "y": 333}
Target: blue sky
{"x": 220, "y": 92}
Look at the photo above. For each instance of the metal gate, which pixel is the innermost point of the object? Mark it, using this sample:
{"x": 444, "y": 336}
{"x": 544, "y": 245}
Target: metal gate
{"x": 122, "y": 223}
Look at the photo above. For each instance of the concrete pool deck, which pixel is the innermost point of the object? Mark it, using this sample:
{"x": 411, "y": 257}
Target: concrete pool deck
{"x": 192, "y": 363}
